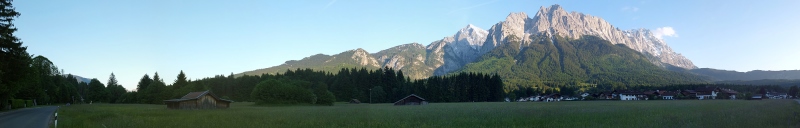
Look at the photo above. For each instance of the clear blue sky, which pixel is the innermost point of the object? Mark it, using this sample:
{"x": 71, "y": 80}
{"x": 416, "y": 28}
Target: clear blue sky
{"x": 93, "y": 38}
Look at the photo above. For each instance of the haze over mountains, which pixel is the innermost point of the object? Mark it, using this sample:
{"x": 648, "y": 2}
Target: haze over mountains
{"x": 548, "y": 46}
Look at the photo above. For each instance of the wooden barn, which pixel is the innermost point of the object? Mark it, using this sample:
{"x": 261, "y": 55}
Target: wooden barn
{"x": 411, "y": 100}
{"x": 354, "y": 101}
{"x": 198, "y": 100}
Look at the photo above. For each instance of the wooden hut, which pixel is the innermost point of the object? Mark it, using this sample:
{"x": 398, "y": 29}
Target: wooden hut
{"x": 411, "y": 100}
{"x": 198, "y": 100}
{"x": 355, "y": 101}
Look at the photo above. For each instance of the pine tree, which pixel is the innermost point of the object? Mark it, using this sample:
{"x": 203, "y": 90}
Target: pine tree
{"x": 115, "y": 90}
{"x": 793, "y": 91}
{"x": 156, "y": 92}
{"x": 111, "y": 87}
{"x": 144, "y": 83}
{"x": 181, "y": 81}
{"x": 14, "y": 59}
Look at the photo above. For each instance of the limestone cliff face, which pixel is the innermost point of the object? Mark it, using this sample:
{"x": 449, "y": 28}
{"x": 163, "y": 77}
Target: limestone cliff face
{"x": 557, "y": 22}
{"x": 513, "y": 25}
{"x": 409, "y": 58}
{"x": 453, "y": 52}
{"x": 363, "y": 58}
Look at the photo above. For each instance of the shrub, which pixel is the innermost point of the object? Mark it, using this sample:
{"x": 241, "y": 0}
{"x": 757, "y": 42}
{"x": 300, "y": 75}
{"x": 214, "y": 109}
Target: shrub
{"x": 326, "y": 98}
{"x": 17, "y": 103}
{"x": 283, "y": 91}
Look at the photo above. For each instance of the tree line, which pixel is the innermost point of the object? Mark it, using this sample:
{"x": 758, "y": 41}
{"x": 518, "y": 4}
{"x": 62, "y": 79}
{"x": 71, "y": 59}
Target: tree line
{"x": 24, "y": 76}
{"x": 382, "y": 85}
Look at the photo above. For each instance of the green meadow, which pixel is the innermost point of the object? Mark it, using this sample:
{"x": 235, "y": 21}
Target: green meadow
{"x": 671, "y": 114}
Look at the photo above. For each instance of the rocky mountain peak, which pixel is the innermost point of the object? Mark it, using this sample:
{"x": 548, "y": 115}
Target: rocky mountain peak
{"x": 471, "y": 36}
{"x": 363, "y": 57}
{"x": 514, "y": 24}
{"x": 556, "y": 21}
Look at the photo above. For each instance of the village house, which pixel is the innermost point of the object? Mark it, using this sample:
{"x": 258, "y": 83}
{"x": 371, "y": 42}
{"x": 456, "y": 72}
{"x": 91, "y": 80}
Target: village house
{"x": 569, "y": 98}
{"x": 523, "y": 99}
{"x": 728, "y": 92}
{"x": 534, "y": 98}
{"x": 776, "y": 95}
{"x": 652, "y": 93}
{"x": 605, "y": 95}
{"x": 689, "y": 93}
{"x": 708, "y": 92}
{"x": 711, "y": 92}
{"x": 552, "y": 97}
{"x": 198, "y": 100}
{"x": 668, "y": 95}
{"x": 632, "y": 95}
{"x": 585, "y": 94}
{"x": 756, "y": 97}
{"x": 411, "y": 100}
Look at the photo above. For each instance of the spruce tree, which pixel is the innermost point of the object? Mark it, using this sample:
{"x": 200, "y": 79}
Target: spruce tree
{"x": 14, "y": 59}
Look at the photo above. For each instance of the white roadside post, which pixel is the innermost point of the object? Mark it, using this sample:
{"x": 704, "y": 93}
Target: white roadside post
{"x": 56, "y": 122}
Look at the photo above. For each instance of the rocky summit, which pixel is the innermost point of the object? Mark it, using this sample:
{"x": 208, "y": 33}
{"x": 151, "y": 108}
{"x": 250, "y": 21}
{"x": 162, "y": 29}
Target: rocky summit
{"x": 555, "y": 21}
{"x": 453, "y": 52}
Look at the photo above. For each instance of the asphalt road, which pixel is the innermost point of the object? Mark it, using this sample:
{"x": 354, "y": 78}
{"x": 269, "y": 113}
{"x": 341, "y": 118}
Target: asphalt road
{"x": 27, "y": 118}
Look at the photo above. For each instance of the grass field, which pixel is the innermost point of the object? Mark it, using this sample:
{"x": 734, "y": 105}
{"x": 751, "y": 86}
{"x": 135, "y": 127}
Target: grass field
{"x": 685, "y": 113}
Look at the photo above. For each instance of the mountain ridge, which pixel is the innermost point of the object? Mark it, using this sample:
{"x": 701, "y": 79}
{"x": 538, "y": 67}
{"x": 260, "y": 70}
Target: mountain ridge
{"x": 468, "y": 44}
{"x": 556, "y": 21}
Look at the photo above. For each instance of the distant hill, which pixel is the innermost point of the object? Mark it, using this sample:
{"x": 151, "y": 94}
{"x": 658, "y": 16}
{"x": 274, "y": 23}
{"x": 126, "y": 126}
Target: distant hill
{"x": 727, "y": 75}
{"x": 358, "y": 58}
{"x": 81, "y": 79}
{"x": 779, "y": 82}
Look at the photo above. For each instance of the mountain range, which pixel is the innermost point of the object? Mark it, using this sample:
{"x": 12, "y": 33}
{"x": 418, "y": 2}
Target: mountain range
{"x": 81, "y": 79}
{"x": 553, "y": 45}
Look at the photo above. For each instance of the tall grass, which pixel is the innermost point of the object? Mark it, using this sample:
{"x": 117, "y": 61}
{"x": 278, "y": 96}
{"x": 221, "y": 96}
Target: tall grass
{"x": 688, "y": 113}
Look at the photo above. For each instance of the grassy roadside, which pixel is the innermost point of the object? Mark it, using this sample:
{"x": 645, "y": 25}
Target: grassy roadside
{"x": 689, "y": 113}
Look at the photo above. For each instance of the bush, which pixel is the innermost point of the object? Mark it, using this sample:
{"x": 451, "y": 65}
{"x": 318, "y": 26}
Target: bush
{"x": 29, "y": 103}
{"x": 326, "y": 98}
{"x": 17, "y": 103}
{"x": 283, "y": 91}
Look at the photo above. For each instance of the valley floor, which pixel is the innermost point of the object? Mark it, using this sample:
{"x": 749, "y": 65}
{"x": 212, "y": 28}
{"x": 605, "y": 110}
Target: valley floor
{"x": 678, "y": 113}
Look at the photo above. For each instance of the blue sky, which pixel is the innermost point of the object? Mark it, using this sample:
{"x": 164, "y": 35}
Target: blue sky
{"x": 94, "y": 38}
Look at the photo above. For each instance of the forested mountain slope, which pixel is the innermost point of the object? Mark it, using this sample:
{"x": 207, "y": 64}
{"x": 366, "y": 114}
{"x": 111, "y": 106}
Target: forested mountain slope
{"x": 590, "y": 60}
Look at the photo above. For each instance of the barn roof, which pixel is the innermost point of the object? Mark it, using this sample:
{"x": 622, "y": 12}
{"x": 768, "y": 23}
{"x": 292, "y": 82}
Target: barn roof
{"x": 729, "y": 91}
{"x": 668, "y": 94}
{"x": 196, "y": 95}
{"x": 423, "y": 99}
{"x": 707, "y": 88}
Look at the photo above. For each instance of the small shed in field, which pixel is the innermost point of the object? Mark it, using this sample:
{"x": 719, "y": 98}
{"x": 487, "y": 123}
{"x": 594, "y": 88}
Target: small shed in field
{"x": 411, "y": 100}
{"x": 198, "y": 100}
{"x": 355, "y": 101}
{"x": 756, "y": 97}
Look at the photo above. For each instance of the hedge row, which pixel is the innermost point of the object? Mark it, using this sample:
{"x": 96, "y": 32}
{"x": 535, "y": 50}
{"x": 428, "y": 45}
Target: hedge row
{"x": 20, "y": 103}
